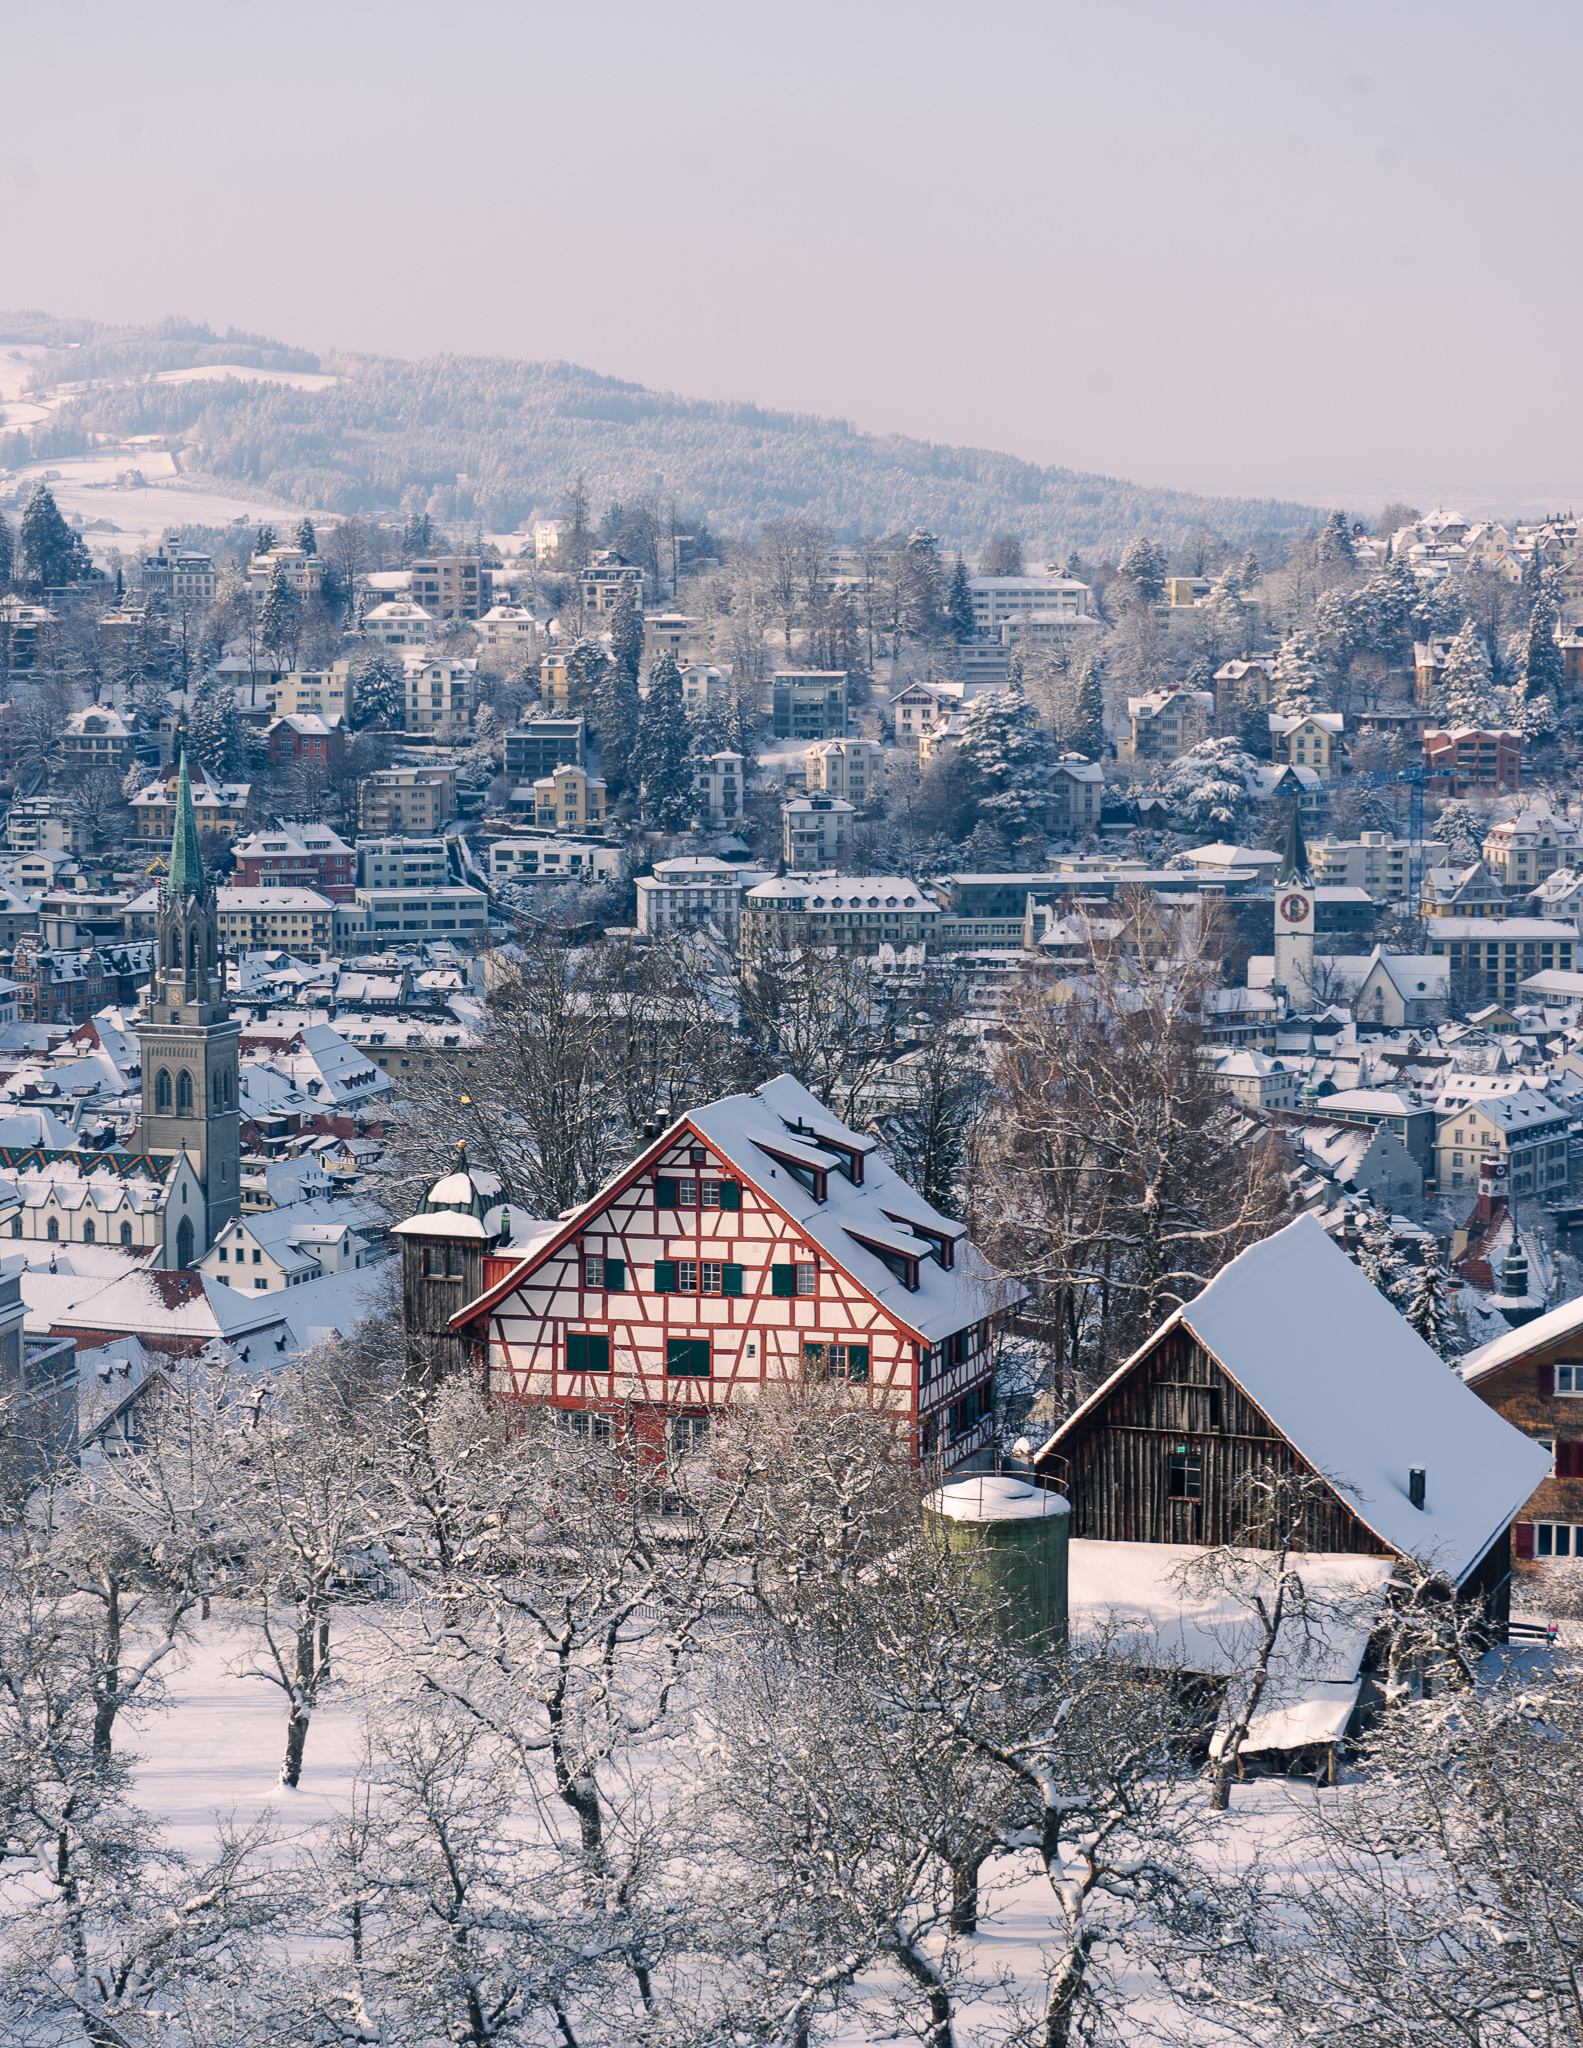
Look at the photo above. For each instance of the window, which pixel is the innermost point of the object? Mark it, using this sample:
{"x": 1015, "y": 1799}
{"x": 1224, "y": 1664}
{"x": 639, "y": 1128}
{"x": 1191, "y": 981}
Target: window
{"x": 687, "y": 1194}
{"x": 1557, "y": 1539}
{"x": 1185, "y": 1474}
{"x": 592, "y": 1428}
{"x": 710, "y": 1195}
{"x": 689, "y": 1434}
{"x": 687, "y": 1276}
{"x": 53, "y": 1231}
{"x": 712, "y": 1271}
{"x": 687, "y": 1358}
{"x": 162, "y": 1096}
{"x": 16, "y": 1226}
{"x": 88, "y": 1233}
{"x": 184, "y": 1093}
{"x": 1569, "y": 1379}
{"x": 594, "y": 1273}
{"x": 835, "y": 1362}
{"x": 587, "y": 1352}
{"x": 806, "y": 1278}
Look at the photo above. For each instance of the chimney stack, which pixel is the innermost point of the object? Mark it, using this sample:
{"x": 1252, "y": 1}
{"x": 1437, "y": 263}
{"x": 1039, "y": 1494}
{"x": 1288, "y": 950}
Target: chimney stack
{"x": 1415, "y": 1486}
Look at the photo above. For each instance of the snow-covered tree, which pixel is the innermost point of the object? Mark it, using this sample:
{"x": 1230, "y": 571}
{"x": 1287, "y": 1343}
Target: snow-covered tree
{"x": 1426, "y": 1304}
{"x": 1250, "y": 575}
{"x": 1464, "y": 694}
{"x": 959, "y": 603}
{"x": 1142, "y": 570}
{"x": 1297, "y": 681}
{"x": 50, "y": 554}
{"x": 1206, "y": 789}
{"x": 305, "y": 537}
{"x": 1227, "y": 614}
{"x": 1012, "y": 756}
{"x": 1380, "y": 1257}
{"x": 280, "y": 617}
{"x": 660, "y": 760}
{"x": 1087, "y": 735}
{"x": 617, "y": 713}
{"x": 7, "y": 554}
{"x": 1335, "y": 540}
{"x": 626, "y": 635}
{"x": 214, "y": 733}
{"x": 1542, "y": 670}
{"x": 379, "y": 692}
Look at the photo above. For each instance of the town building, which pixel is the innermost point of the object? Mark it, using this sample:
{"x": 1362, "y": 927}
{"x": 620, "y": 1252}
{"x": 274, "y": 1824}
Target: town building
{"x": 402, "y": 862}
{"x": 915, "y": 711}
{"x": 1076, "y": 796}
{"x": 274, "y": 1248}
{"x": 44, "y": 824}
{"x": 719, "y": 786}
{"x": 189, "y": 1043}
{"x": 396, "y": 623}
{"x": 122, "y": 1199}
{"x": 539, "y": 745}
{"x": 307, "y": 737}
{"x": 692, "y": 890}
{"x": 23, "y": 628}
{"x": 845, "y": 768}
{"x": 1312, "y": 740}
{"x": 605, "y": 576}
{"x": 509, "y": 631}
{"x": 1166, "y": 723}
{"x": 325, "y": 693}
{"x": 1470, "y": 758}
{"x": 303, "y": 573}
{"x": 101, "y": 737}
{"x": 1525, "y": 851}
{"x": 553, "y": 857}
{"x": 1408, "y": 1460}
{"x": 223, "y": 807}
{"x": 706, "y": 686}
{"x": 839, "y": 913}
{"x": 1533, "y": 1378}
{"x": 405, "y": 800}
{"x": 809, "y": 703}
{"x": 451, "y": 586}
{"x": 999, "y": 599}
{"x": 293, "y": 920}
{"x": 547, "y": 535}
{"x": 668, "y": 633}
{"x": 1524, "y": 1132}
{"x": 439, "y": 696}
{"x": 1463, "y": 892}
{"x": 449, "y": 910}
{"x": 1490, "y": 956}
{"x": 184, "y": 579}
{"x": 1374, "y": 861}
{"x": 569, "y": 798}
{"x": 297, "y": 855}
{"x": 67, "y": 984}
{"x": 758, "y": 1244}
{"x": 816, "y": 831}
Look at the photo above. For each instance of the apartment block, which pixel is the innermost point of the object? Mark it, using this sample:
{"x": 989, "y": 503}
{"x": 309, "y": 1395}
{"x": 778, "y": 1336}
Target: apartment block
{"x": 538, "y": 746}
{"x": 406, "y": 800}
{"x": 809, "y": 703}
{"x": 849, "y": 769}
{"x": 451, "y": 586}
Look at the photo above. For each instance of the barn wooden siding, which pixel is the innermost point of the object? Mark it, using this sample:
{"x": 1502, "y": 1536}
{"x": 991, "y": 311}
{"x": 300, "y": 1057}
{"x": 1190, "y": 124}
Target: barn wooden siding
{"x": 1177, "y": 1397}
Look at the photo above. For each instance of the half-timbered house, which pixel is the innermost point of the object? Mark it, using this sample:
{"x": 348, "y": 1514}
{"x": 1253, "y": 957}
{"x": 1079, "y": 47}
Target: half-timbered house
{"x": 757, "y": 1242}
{"x": 1291, "y": 1361}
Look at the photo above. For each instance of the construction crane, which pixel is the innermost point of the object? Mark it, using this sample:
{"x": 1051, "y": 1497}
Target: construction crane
{"x": 1412, "y": 780}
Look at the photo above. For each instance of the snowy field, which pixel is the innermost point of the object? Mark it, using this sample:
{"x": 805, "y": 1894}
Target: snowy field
{"x": 138, "y": 514}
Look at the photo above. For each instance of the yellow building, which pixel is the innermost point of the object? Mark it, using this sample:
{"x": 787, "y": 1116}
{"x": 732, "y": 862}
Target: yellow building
{"x": 1311, "y": 741}
{"x": 568, "y": 797}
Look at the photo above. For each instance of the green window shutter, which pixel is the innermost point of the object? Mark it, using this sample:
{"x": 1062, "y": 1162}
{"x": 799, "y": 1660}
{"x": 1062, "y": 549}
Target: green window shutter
{"x": 599, "y": 1354}
{"x": 576, "y": 1353}
{"x": 857, "y": 1361}
{"x": 664, "y": 1276}
{"x": 665, "y": 1194}
{"x": 687, "y": 1358}
{"x": 701, "y": 1358}
{"x": 783, "y": 1279}
{"x": 731, "y": 1194}
{"x": 731, "y": 1279}
{"x": 615, "y": 1276}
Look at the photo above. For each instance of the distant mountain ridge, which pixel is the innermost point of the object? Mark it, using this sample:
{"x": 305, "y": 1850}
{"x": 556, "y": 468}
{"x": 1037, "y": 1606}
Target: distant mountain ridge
{"x": 492, "y": 438}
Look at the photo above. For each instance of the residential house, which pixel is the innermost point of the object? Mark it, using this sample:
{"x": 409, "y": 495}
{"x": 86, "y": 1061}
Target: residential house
{"x": 915, "y": 710}
{"x": 667, "y": 633}
{"x": 406, "y": 799}
{"x": 451, "y": 586}
{"x": 605, "y": 576}
{"x": 1469, "y": 758}
{"x": 758, "y": 1244}
{"x": 22, "y": 627}
{"x": 1312, "y": 740}
{"x": 286, "y": 855}
{"x": 841, "y": 913}
{"x": 1396, "y": 1110}
{"x": 690, "y": 891}
{"x": 103, "y": 738}
{"x": 719, "y": 786}
{"x": 815, "y": 831}
{"x": 223, "y": 807}
{"x": 1168, "y": 722}
{"x": 303, "y": 573}
{"x": 307, "y": 737}
{"x": 1463, "y": 892}
{"x": 998, "y": 600}
{"x": 1533, "y": 1378}
{"x": 1525, "y": 851}
{"x": 67, "y": 985}
{"x": 447, "y": 909}
{"x": 324, "y": 693}
{"x": 540, "y": 745}
{"x": 569, "y": 797}
{"x": 551, "y": 857}
{"x": 845, "y": 768}
{"x": 397, "y": 623}
{"x": 1239, "y": 686}
{"x": 1524, "y": 1131}
{"x": 1490, "y": 956}
{"x": 297, "y": 921}
{"x": 809, "y": 703}
{"x": 1076, "y": 796}
{"x": 1258, "y": 1082}
{"x": 706, "y": 685}
{"x": 184, "y": 579}
{"x": 439, "y": 697}
{"x": 509, "y": 631}
{"x": 275, "y": 1248}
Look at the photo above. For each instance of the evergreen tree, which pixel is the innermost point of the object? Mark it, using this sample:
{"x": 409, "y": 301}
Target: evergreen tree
{"x": 1088, "y": 731}
{"x": 1335, "y": 540}
{"x": 1142, "y": 570}
{"x": 959, "y": 604}
{"x": 1227, "y": 614}
{"x": 919, "y": 595}
{"x": 1543, "y": 672}
{"x": 51, "y": 553}
{"x": 586, "y": 662}
{"x": 1427, "y": 1306}
{"x": 418, "y": 537}
{"x": 280, "y": 618}
{"x": 263, "y": 540}
{"x": 206, "y": 740}
{"x": 379, "y": 692}
{"x": 1464, "y": 695}
{"x": 305, "y": 537}
{"x": 659, "y": 761}
{"x": 1251, "y": 575}
{"x": 626, "y": 635}
{"x": 7, "y": 553}
{"x": 1297, "y": 681}
{"x": 1012, "y": 756}
{"x": 617, "y": 710}
{"x": 1380, "y": 1258}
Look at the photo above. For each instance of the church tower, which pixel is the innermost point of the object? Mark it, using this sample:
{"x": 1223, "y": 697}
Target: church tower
{"x": 1294, "y": 921}
{"x": 190, "y": 1041}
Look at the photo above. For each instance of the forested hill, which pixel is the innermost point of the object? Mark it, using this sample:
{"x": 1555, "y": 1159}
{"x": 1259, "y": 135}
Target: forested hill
{"x": 494, "y": 438}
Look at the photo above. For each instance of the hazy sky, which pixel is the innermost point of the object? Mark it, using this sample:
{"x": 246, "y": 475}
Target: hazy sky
{"x": 1319, "y": 250}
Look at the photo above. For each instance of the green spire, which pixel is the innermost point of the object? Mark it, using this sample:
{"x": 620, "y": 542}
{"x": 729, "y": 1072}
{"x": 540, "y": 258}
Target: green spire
{"x": 186, "y": 863}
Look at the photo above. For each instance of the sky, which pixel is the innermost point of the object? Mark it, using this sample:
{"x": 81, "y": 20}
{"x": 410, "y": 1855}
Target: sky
{"x": 1283, "y": 247}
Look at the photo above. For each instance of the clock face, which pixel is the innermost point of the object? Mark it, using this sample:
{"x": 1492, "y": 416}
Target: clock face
{"x": 1294, "y": 908}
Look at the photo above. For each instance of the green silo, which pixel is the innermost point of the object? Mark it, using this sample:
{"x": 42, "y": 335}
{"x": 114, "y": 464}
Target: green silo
{"x": 1016, "y": 1533}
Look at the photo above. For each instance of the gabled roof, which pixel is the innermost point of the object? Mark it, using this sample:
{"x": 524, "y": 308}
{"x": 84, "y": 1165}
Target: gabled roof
{"x": 1359, "y": 1394}
{"x": 1565, "y": 1321}
{"x": 748, "y": 1132}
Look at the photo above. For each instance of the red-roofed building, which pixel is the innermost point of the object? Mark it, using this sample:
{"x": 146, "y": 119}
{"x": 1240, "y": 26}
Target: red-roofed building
{"x": 307, "y": 737}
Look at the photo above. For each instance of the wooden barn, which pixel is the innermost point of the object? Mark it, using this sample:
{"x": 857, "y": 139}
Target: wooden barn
{"x": 757, "y": 1241}
{"x": 1290, "y": 1359}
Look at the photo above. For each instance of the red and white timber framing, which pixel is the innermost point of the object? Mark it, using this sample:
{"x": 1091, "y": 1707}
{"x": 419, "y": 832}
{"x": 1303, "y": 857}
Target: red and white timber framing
{"x": 525, "y": 1325}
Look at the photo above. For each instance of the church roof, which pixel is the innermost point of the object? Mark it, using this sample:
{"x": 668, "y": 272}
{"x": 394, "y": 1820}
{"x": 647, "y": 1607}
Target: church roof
{"x": 186, "y": 863}
{"x": 1294, "y": 857}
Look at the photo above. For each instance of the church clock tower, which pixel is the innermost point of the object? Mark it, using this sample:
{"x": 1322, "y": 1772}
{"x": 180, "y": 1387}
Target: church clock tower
{"x": 1294, "y": 920}
{"x": 190, "y": 1041}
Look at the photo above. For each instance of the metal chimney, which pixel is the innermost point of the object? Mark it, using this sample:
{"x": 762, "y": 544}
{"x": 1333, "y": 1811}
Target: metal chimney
{"x": 1415, "y": 1485}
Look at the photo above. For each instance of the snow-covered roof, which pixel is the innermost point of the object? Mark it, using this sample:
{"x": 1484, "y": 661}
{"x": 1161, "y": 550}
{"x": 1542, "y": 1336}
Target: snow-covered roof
{"x": 1360, "y": 1395}
{"x": 1562, "y": 1322}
